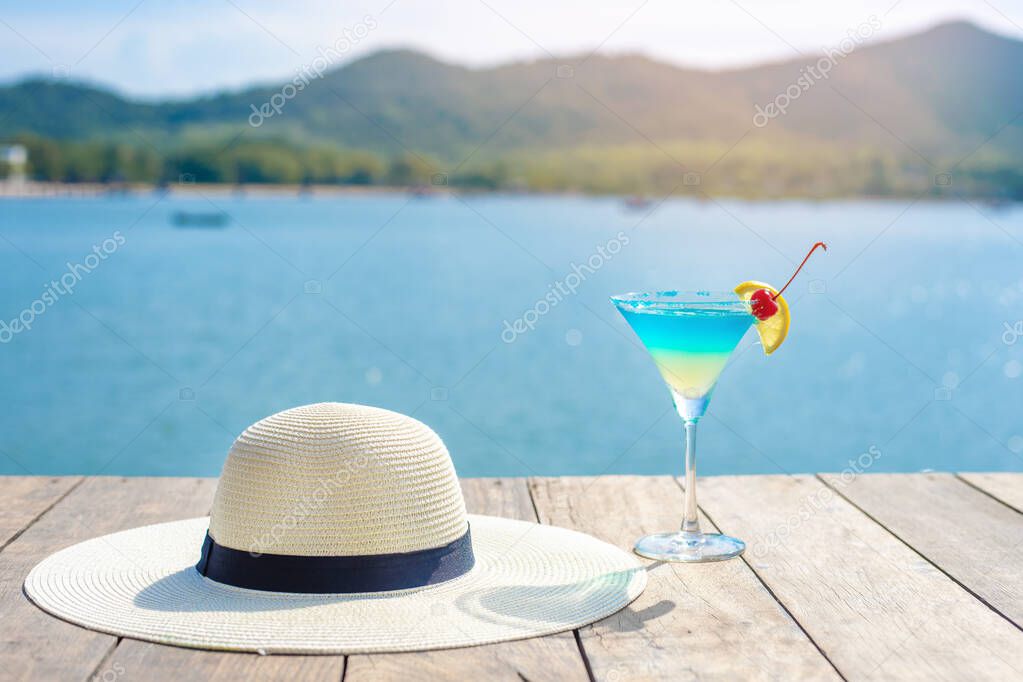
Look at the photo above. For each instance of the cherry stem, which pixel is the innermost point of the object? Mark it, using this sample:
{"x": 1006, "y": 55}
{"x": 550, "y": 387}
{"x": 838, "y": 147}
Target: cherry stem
{"x": 808, "y": 254}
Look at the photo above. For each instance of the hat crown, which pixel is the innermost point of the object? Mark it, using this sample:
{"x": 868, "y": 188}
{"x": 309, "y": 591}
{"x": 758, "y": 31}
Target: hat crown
{"x": 336, "y": 479}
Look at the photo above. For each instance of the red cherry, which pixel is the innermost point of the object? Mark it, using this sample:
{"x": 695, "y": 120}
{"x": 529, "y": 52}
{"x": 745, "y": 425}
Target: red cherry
{"x": 762, "y": 304}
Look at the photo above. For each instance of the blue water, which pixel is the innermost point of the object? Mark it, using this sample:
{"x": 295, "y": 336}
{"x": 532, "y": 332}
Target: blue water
{"x": 903, "y": 336}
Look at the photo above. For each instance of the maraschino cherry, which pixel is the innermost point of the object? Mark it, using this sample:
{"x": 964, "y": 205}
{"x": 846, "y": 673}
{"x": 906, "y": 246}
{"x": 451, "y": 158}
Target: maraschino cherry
{"x": 762, "y": 302}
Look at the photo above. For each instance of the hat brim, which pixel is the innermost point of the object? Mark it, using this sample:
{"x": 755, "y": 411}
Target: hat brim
{"x": 529, "y": 580}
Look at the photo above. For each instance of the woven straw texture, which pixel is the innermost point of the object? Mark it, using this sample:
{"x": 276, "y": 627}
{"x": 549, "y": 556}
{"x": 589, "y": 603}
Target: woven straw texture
{"x": 335, "y": 479}
{"x": 529, "y": 580}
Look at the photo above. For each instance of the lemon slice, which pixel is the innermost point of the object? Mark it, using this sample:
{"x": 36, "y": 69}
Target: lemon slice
{"x": 774, "y": 329}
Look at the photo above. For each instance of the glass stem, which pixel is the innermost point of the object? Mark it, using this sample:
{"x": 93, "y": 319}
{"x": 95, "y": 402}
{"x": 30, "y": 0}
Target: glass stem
{"x": 691, "y": 520}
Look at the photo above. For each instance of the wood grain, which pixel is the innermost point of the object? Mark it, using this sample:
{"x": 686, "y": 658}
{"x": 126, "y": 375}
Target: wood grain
{"x": 876, "y": 608}
{"x": 135, "y": 660}
{"x": 712, "y": 621}
{"x": 27, "y": 497}
{"x": 555, "y": 657}
{"x": 866, "y": 596}
{"x": 37, "y": 646}
{"x": 973, "y": 538}
{"x": 1007, "y": 487}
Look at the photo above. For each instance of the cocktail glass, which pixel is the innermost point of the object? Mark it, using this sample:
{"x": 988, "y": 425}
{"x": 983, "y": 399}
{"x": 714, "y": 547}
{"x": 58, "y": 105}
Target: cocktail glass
{"x": 690, "y": 335}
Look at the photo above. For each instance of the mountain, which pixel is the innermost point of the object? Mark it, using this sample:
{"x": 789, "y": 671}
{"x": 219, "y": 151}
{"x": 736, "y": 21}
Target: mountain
{"x": 928, "y": 99}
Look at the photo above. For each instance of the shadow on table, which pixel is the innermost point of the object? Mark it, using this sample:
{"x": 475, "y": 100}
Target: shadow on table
{"x": 568, "y": 603}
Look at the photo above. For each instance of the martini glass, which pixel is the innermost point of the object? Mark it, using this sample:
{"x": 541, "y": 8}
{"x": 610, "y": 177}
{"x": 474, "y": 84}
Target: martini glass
{"x": 690, "y": 335}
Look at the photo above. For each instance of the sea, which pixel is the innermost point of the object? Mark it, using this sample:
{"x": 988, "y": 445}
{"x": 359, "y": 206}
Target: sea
{"x": 141, "y": 333}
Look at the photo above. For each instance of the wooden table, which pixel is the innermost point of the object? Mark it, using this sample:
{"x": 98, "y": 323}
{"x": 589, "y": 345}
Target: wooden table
{"x": 878, "y": 576}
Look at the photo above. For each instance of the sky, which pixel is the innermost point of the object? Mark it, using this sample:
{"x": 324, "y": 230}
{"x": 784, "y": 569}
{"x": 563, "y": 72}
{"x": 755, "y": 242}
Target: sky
{"x": 155, "y": 49}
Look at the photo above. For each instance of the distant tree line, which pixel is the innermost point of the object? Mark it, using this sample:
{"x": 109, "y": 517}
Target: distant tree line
{"x": 256, "y": 162}
{"x": 752, "y": 172}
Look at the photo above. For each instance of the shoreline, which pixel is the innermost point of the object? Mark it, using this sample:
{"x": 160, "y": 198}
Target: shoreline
{"x": 22, "y": 190}
{"x": 92, "y": 190}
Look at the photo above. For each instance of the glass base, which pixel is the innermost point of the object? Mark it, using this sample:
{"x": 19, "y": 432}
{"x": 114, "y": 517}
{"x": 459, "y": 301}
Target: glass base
{"x": 689, "y": 547}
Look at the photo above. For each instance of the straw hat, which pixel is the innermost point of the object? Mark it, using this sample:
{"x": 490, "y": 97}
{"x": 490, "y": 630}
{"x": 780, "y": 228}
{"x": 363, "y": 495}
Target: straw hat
{"x": 337, "y": 529}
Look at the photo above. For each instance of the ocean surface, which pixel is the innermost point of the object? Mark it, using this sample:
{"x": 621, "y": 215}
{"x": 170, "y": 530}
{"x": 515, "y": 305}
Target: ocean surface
{"x": 487, "y": 317}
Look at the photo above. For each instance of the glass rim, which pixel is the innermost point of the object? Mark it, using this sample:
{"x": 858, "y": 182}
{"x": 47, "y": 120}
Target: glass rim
{"x": 678, "y": 296}
{"x": 673, "y": 301}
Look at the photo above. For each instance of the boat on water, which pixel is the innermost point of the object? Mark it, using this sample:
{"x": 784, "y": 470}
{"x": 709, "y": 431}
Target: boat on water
{"x": 637, "y": 202}
{"x": 422, "y": 192}
{"x": 200, "y": 219}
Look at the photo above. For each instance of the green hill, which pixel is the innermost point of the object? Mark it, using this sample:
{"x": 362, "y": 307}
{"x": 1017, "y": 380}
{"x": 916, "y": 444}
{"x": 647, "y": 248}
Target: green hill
{"x": 887, "y": 119}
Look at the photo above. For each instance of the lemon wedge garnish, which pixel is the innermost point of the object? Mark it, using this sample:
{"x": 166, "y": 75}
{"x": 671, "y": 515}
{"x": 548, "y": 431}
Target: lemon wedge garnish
{"x": 774, "y": 329}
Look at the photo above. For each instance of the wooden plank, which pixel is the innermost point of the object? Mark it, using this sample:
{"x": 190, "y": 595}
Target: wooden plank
{"x": 37, "y": 646}
{"x": 556, "y": 657}
{"x": 967, "y": 534}
{"x": 1007, "y": 487}
{"x": 876, "y": 608}
{"x": 711, "y": 621}
{"x": 135, "y": 660}
{"x": 27, "y": 497}
{"x": 869, "y": 601}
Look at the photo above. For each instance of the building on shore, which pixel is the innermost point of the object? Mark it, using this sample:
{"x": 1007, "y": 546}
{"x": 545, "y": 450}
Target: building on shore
{"x": 13, "y": 160}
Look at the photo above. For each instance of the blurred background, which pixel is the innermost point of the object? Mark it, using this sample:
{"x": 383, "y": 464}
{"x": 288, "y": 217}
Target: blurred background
{"x": 211, "y": 211}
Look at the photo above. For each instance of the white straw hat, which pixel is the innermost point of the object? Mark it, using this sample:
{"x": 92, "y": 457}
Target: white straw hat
{"x": 337, "y": 529}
